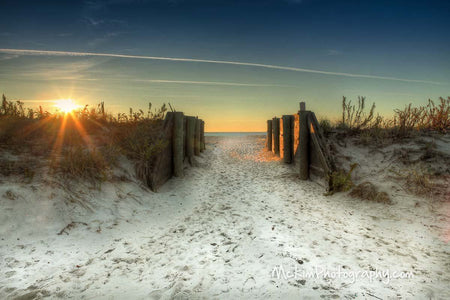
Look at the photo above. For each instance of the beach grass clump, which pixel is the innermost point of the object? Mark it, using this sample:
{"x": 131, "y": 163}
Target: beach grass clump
{"x": 78, "y": 162}
{"x": 326, "y": 126}
{"x": 425, "y": 117}
{"x": 138, "y": 140}
{"x": 354, "y": 117}
{"x": 419, "y": 181}
{"x": 340, "y": 180}
{"x": 368, "y": 191}
{"x": 371, "y": 129}
{"x": 84, "y": 143}
{"x": 361, "y": 123}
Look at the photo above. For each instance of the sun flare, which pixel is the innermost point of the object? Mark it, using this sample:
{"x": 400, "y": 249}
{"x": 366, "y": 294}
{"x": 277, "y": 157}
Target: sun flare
{"x": 66, "y": 105}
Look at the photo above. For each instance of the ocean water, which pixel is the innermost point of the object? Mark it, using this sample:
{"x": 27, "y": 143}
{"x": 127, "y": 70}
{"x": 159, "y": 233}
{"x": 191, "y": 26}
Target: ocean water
{"x": 233, "y": 133}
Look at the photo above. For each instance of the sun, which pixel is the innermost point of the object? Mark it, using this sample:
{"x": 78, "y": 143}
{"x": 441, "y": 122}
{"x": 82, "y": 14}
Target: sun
{"x": 66, "y": 105}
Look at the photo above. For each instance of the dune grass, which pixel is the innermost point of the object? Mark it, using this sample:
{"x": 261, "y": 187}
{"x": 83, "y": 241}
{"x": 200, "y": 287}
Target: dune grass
{"x": 86, "y": 143}
{"x": 360, "y": 124}
{"x": 374, "y": 129}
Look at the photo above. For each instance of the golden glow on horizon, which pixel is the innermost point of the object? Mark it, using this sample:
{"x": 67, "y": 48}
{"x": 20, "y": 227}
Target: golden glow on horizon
{"x": 66, "y": 105}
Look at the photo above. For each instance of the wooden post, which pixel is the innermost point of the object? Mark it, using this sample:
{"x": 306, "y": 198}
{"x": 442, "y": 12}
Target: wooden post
{"x": 303, "y": 147}
{"x": 287, "y": 138}
{"x": 178, "y": 144}
{"x": 190, "y": 136}
{"x": 202, "y": 135}
{"x": 197, "y": 137}
{"x": 295, "y": 137}
{"x": 302, "y": 106}
{"x": 204, "y": 139}
{"x": 269, "y": 135}
{"x": 276, "y": 136}
{"x": 281, "y": 138}
{"x": 184, "y": 137}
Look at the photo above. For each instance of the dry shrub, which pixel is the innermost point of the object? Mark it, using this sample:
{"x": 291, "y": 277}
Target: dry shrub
{"x": 354, "y": 117}
{"x": 341, "y": 181}
{"x": 376, "y": 130}
{"x": 431, "y": 117}
{"x": 82, "y": 163}
{"x": 10, "y": 195}
{"x": 326, "y": 126}
{"x": 368, "y": 191}
{"x": 138, "y": 140}
{"x": 89, "y": 144}
{"x": 419, "y": 181}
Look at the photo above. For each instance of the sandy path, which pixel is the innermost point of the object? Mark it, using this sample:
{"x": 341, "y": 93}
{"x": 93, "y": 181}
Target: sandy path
{"x": 241, "y": 214}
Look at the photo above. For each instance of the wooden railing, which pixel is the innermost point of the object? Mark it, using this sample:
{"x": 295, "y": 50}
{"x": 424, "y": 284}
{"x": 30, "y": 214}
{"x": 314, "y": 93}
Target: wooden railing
{"x": 183, "y": 138}
{"x": 298, "y": 139}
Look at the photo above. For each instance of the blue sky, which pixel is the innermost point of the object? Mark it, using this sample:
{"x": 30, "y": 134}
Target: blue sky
{"x": 381, "y": 40}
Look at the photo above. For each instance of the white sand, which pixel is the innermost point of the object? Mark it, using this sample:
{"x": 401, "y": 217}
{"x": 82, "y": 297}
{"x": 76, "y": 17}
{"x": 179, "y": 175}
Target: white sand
{"x": 217, "y": 233}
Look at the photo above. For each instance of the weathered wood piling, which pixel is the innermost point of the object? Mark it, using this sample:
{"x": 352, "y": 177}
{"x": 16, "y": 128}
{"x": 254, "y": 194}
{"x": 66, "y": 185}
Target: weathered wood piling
{"x": 269, "y": 135}
{"x": 183, "y": 137}
{"x": 287, "y": 124}
{"x": 178, "y": 144}
{"x": 190, "y": 137}
{"x": 276, "y": 136}
{"x": 303, "y": 147}
{"x": 297, "y": 139}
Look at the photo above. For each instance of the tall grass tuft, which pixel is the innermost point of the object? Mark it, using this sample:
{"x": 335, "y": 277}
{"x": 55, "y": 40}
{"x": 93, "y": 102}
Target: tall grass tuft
{"x": 430, "y": 117}
{"x": 354, "y": 117}
{"x": 83, "y": 144}
{"x": 374, "y": 129}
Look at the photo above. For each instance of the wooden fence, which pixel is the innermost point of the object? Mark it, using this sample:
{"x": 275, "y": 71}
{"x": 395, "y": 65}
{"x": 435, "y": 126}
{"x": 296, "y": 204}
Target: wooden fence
{"x": 183, "y": 138}
{"x": 298, "y": 140}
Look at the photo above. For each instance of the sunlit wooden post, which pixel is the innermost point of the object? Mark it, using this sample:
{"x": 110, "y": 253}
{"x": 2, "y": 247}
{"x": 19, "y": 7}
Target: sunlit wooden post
{"x": 287, "y": 138}
{"x": 269, "y": 135}
{"x": 178, "y": 144}
{"x": 190, "y": 135}
{"x": 303, "y": 147}
{"x": 276, "y": 135}
{"x": 281, "y": 138}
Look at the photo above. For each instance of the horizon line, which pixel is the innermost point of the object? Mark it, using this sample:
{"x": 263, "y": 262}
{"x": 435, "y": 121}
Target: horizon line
{"x": 267, "y": 66}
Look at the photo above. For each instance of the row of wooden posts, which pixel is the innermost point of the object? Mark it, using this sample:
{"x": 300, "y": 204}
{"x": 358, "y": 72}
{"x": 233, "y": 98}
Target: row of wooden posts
{"x": 298, "y": 139}
{"x": 188, "y": 140}
{"x": 183, "y": 138}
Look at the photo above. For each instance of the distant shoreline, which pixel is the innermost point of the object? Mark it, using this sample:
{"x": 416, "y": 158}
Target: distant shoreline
{"x": 233, "y": 133}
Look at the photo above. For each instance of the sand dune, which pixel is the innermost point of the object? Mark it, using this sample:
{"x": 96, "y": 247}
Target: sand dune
{"x": 218, "y": 233}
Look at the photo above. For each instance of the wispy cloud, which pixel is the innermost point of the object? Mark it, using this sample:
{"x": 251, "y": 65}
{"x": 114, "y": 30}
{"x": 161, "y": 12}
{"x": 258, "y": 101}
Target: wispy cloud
{"x": 93, "y": 22}
{"x": 61, "y": 71}
{"x": 333, "y": 52}
{"x": 103, "y": 39}
{"x": 64, "y": 34}
{"x": 275, "y": 67}
{"x": 8, "y": 56}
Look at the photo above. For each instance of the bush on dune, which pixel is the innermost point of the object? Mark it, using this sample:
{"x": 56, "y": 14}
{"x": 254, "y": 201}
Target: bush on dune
{"x": 364, "y": 127}
{"x": 371, "y": 129}
{"x": 85, "y": 143}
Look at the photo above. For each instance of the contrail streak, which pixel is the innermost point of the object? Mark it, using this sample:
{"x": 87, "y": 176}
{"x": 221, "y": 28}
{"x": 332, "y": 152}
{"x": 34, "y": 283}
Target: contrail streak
{"x": 209, "y": 83}
{"x": 68, "y": 53}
